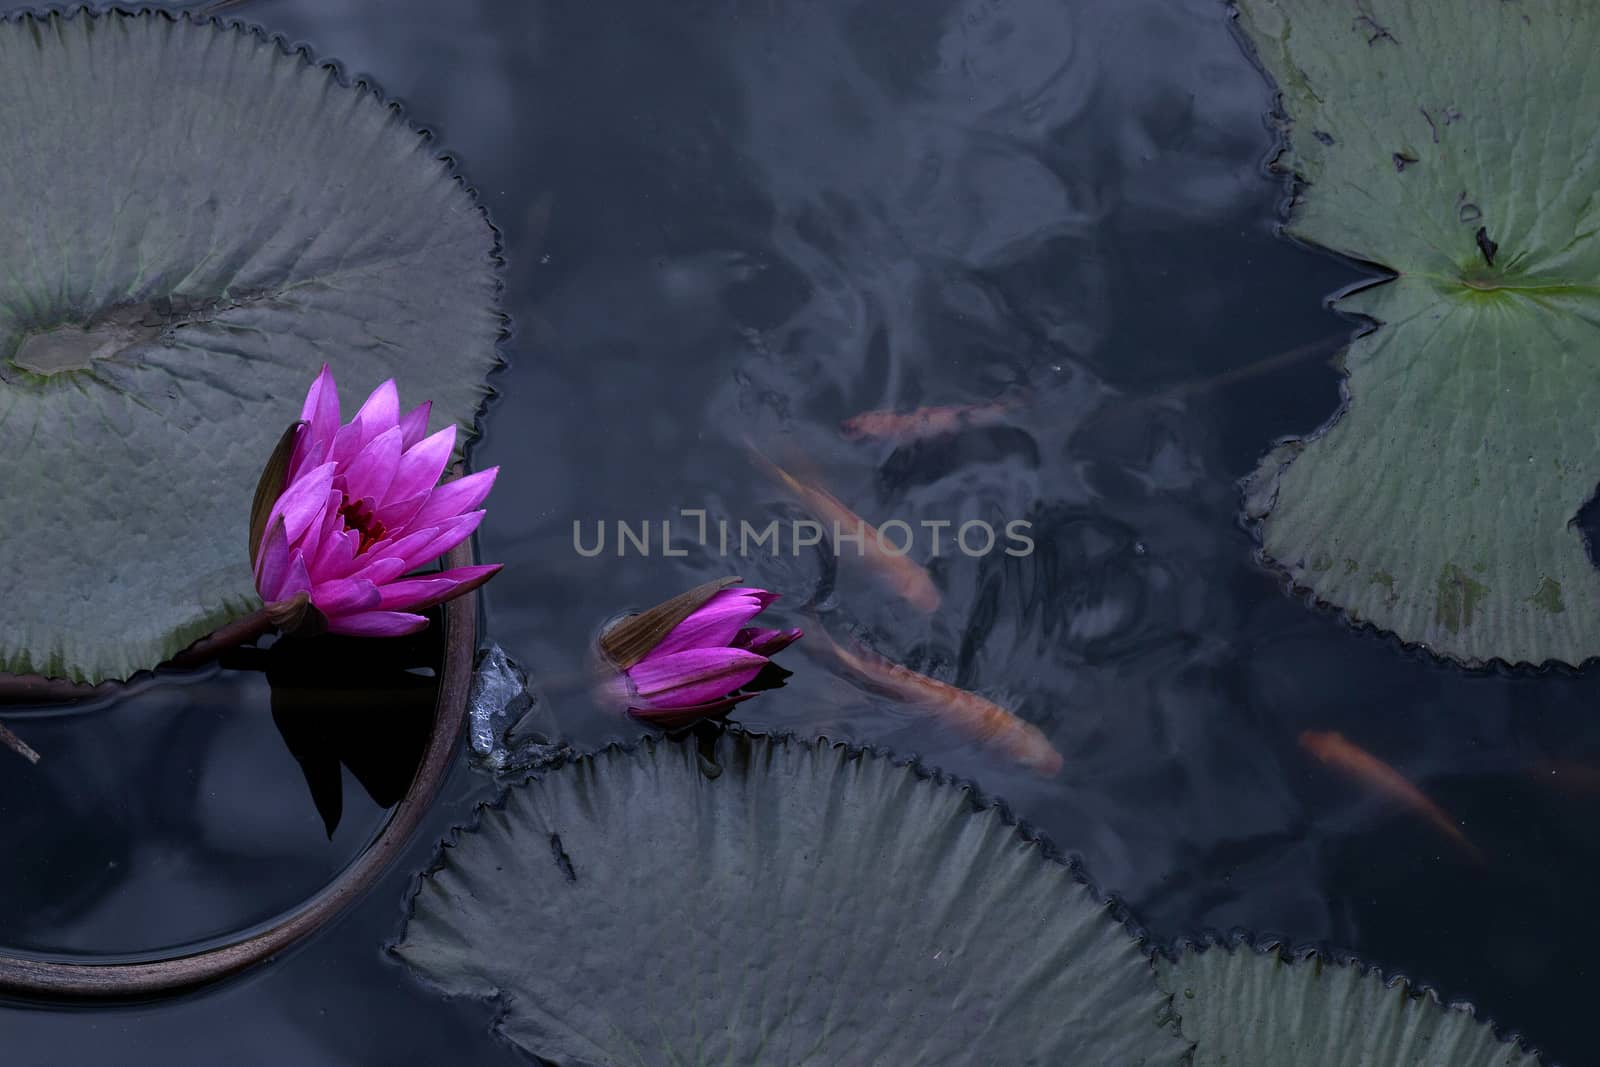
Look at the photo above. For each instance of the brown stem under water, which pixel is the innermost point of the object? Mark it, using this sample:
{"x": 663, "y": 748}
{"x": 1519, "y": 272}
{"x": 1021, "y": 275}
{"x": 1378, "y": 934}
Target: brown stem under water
{"x": 1268, "y": 365}
{"x": 17, "y": 745}
{"x": 252, "y": 627}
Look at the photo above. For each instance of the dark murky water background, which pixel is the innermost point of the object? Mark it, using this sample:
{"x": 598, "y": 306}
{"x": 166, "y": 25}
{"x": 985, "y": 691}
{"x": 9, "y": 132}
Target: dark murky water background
{"x": 756, "y": 219}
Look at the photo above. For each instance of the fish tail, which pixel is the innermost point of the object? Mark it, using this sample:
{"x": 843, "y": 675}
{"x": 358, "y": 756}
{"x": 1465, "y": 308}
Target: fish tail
{"x": 819, "y": 501}
{"x": 768, "y": 467}
{"x": 1465, "y": 844}
{"x": 1020, "y": 739}
{"x": 1030, "y": 747}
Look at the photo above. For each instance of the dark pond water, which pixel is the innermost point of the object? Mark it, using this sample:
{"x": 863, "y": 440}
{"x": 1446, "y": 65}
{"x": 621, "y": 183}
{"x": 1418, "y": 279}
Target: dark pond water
{"x": 726, "y": 220}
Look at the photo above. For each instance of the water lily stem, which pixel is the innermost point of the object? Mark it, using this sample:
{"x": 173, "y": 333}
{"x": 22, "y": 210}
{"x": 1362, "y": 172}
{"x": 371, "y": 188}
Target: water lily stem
{"x": 17, "y": 745}
{"x": 252, "y": 627}
{"x": 37, "y": 689}
{"x": 1269, "y": 365}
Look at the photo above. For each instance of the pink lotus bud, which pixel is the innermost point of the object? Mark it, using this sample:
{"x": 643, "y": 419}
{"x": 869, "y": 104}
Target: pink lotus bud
{"x": 692, "y": 657}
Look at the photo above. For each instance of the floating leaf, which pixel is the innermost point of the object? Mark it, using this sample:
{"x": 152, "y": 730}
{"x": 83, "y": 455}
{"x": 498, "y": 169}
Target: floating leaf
{"x": 1248, "y": 1007}
{"x": 807, "y": 905}
{"x": 200, "y": 219}
{"x": 1439, "y": 503}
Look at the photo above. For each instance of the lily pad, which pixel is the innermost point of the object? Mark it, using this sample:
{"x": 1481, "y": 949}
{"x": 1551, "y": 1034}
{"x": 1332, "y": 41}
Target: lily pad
{"x": 1241, "y": 1006}
{"x": 1439, "y": 503}
{"x": 809, "y": 904}
{"x": 199, "y": 219}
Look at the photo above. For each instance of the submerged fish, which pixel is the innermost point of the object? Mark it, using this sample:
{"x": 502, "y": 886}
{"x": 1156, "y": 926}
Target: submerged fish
{"x": 906, "y": 576}
{"x": 906, "y": 426}
{"x": 981, "y": 719}
{"x": 1333, "y": 750}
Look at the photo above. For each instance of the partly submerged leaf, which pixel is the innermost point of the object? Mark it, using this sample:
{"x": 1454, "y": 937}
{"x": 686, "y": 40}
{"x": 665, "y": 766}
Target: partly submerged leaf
{"x": 198, "y": 220}
{"x": 1247, "y": 1007}
{"x": 808, "y": 905}
{"x": 1439, "y": 503}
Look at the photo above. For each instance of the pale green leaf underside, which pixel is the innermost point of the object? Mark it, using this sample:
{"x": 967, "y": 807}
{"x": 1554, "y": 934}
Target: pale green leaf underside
{"x": 808, "y": 906}
{"x": 1439, "y": 503}
{"x": 1244, "y": 1007}
{"x": 224, "y": 217}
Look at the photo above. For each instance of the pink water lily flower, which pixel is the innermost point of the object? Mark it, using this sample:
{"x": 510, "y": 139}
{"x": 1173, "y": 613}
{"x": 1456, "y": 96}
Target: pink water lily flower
{"x": 698, "y": 668}
{"x": 362, "y": 508}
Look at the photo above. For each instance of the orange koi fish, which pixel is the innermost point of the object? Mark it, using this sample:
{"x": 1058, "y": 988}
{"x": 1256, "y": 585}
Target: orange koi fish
{"x": 1333, "y": 750}
{"x": 907, "y": 577}
{"x": 981, "y": 719}
{"x": 906, "y": 426}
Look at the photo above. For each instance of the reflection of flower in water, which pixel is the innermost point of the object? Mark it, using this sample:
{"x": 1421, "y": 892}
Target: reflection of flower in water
{"x": 361, "y": 507}
{"x": 362, "y": 705}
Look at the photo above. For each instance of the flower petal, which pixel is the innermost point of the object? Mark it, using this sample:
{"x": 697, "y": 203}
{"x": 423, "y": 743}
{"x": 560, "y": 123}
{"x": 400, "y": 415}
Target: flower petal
{"x": 308, "y": 452}
{"x": 298, "y": 580}
{"x": 321, "y": 409}
{"x": 421, "y": 465}
{"x": 673, "y": 718}
{"x": 378, "y": 624}
{"x": 345, "y": 596}
{"x": 346, "y": 443}
{"x": 428, "y": 590}
{"x": 272, "y": 562}
{"x": 764, "y": 596}
{"x": 414, "y": 423}
{"x": 712, "y": 625}
{"x": 382, "y": 571}
{"x": 381, "y": 412}
{"x": 336, "y": 555}
{"x": 418, "y": 547}
{"x": 302, "y": 502}
{"x": 693, "y": 677}
{"x": 766, "y": 642}
{"x": 414, "y": 593}
{"x": 280, "y": 571}
{"x": 451, "y": 534}
{"x": 455, "y": 498}
{"x": 328, "y": 523}
{"x": 400, "y": 548}
{"x": 398, "y": 514}
{"x": 372, "y": 471}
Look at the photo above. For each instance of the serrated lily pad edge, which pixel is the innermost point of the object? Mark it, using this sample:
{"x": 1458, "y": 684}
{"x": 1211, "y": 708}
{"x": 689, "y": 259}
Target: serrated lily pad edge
{"x": 365, "y": 83}
{"x": 1258, "y": 490}
{"x": 1168, "y": 957}
{"x": 977, "y": 798}
{"x": 1116, "y": 910}
{"x": 1159, "y": 957}
{"x": 64, "y": 686}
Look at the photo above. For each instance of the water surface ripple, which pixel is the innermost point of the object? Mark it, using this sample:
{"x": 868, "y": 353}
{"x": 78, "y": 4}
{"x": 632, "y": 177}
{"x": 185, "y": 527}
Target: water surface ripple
{"x": 729, "y": 220}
